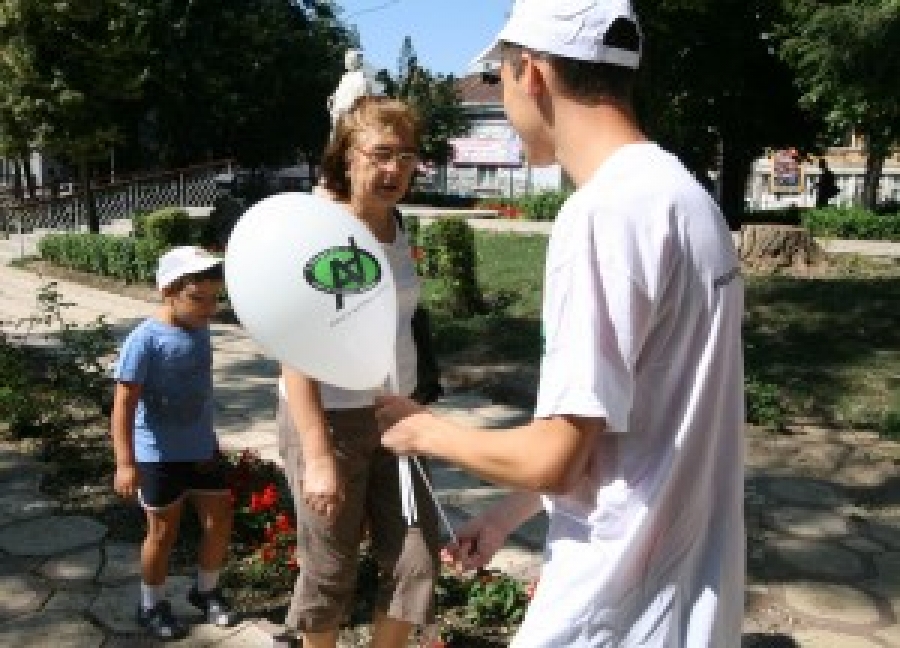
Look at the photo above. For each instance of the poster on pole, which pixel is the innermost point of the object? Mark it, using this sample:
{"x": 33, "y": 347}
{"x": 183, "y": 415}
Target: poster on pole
{"x": 787, "y": 172}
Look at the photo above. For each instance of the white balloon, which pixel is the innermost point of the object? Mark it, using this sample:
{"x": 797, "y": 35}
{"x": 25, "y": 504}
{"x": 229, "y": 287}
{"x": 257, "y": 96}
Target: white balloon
{"x": 314, "y": 288}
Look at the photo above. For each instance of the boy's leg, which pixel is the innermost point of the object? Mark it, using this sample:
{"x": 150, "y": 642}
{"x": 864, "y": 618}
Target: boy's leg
{"x": 211, "y": 499}
{"x": 162, "y": 495}
{"x": 215, "y": 513}
{"x": 162, "y": 531}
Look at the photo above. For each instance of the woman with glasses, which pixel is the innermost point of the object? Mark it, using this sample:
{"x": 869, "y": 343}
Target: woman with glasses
{"x": 340, "y": 476}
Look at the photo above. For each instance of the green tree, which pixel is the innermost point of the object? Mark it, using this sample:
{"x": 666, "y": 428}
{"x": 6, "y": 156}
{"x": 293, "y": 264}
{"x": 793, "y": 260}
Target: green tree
{"x": 713, "y": 86}
{"x": 435, "y": 98}
{"x": 66, "y": 69}
{"x": 243, "y": 78}
{"x": 846, "y": 56}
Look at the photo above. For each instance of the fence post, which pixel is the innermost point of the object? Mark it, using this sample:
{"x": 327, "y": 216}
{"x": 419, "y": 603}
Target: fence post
{"x": 21, "y": 234}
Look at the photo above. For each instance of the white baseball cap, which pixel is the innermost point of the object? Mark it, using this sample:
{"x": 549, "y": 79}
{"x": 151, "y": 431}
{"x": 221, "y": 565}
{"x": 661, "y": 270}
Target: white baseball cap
{"x": 181, "y": 261}
{"x": 574, "y": 29}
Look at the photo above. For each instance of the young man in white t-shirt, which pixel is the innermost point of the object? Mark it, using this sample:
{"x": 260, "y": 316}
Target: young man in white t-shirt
{"x": 635, "y": 449}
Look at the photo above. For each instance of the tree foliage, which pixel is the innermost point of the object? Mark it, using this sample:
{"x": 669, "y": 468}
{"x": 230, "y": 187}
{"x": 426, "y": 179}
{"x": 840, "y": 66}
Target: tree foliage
{"x": 711, "y": 78}
{"x": 846, "y": 58}
{"x": 435, "y": 98}
{"x": 172, "y": 82}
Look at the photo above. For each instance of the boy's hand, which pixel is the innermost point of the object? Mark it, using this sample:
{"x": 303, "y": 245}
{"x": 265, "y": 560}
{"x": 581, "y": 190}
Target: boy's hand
{"x": 322, "y": 490}
{"x": 126, "y": 481}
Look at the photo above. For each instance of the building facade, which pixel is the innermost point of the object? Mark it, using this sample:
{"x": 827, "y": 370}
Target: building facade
{"x": 782, "y": 179}
{"x": 489, "y": 162}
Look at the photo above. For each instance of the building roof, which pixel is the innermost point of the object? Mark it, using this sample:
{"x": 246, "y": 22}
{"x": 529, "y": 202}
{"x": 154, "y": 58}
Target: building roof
{"x": 473, "y": 90}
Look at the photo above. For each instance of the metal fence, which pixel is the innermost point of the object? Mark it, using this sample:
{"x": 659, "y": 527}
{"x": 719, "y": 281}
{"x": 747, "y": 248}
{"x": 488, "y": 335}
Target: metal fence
{"x": 190, "y": 187}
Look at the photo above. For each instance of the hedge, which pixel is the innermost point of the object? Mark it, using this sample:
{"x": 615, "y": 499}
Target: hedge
{"x": 852, "y": 223}
{"x": 126, "y": 259}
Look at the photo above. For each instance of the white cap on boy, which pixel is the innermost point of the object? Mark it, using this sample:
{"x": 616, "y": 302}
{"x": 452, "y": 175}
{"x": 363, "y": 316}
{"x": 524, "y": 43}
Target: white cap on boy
{"x": 573, "y": 29}
{"x": 181, "y": 261}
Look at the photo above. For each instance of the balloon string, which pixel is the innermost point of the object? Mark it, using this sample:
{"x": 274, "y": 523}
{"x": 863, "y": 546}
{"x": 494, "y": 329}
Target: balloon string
{"x": 407, "y": 488}
{"x": 437, "y": 502}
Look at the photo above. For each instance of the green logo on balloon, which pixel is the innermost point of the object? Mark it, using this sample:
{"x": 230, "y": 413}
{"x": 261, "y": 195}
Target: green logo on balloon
{"x": 343, "y": 270}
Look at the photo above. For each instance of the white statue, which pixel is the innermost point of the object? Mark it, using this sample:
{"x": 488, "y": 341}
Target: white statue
{"x": 353, "y": 84}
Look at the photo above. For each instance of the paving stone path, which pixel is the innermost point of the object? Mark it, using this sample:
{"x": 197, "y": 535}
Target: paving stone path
{"x": 822, "y": 511}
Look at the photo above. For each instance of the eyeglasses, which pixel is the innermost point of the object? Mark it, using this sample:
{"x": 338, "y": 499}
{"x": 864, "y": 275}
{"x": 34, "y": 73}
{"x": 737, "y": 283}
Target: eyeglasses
{"x": 384, "y": 155}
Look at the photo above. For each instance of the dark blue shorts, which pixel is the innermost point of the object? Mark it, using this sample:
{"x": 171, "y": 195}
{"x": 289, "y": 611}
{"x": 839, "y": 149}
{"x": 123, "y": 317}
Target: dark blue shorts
{"x": 164, "y": 483}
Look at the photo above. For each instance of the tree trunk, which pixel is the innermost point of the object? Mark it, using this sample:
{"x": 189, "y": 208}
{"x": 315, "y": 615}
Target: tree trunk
{"x": 87, "y": 197}
{"x": 17, "y": 181}
{"x": 770, "y": 247}
{"x": 29, "y": 176}
{"x": 871, "y": 181}
{"x": 735, "y": 169}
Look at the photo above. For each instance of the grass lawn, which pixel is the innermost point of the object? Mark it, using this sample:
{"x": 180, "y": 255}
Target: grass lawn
{"x": 510, "y": 273}
{"x": 828, "y": 347}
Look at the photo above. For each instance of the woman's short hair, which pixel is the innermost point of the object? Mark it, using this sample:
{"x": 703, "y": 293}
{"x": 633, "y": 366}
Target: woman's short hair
{"x": 367, "y": 112}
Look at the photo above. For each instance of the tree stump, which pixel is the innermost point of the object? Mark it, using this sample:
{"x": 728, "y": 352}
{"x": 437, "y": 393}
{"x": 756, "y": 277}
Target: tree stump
{"x": 770, "y": 247}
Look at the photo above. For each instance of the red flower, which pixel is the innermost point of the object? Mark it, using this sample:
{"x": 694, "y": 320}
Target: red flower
{"x": 283, "y": 523}
{"x": 270, "y": 496}
{"x": 269, "y": 533}
{"x": 292, "y": 564}
{"x": 256, "y": 503}
{"x": 417, "y": 253}
{"x": 532, "y": 588}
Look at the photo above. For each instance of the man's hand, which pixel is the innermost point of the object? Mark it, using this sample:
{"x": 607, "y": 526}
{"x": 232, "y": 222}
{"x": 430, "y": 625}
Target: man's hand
{"x": 477, "y": 542}
{"x": 322, "y": 490}
{"x": 402, "y": 421}
{"x": 126, "y": 480}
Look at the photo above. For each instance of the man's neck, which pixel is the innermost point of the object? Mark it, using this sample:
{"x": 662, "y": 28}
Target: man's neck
{"x": 587, "y": 136}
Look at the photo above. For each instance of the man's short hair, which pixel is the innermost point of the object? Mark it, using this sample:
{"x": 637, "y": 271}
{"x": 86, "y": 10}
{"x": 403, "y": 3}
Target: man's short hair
{"x": 589, "y": 80}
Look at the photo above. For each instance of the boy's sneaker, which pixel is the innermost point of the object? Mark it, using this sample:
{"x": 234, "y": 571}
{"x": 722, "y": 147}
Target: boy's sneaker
{"x": 216, "y": 608}
{"x": 160, "y": 622}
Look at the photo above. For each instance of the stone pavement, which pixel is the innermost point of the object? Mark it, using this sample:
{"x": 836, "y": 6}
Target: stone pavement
{"x": 824, "y": 571}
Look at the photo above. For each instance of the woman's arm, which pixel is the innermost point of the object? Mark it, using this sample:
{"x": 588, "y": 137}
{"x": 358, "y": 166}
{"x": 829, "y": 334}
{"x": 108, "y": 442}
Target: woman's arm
{"x": 322, "y": 490}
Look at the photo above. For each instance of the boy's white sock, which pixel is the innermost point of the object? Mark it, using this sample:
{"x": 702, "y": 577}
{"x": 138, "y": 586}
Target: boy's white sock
{"x": 207, "y": 580}
{"x": 150, "y": 595}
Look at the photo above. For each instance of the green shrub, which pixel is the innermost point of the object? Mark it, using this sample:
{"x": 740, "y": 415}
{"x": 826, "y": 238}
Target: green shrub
{"x": 125, "y": 259}
{"x": 543, "y": 206}
{"x": 852, "y": 223}
{"x": 764, "y": 407}
{"x": 449, "y": 248}
{"x": 139, "y": 224}
{"x": 170, "y": 226}
{"x": 40, "y": 389}
{"x": 146, "y": 257}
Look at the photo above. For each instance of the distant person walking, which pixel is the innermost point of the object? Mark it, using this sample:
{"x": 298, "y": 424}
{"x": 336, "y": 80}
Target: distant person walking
{"x": 827, "y": 187}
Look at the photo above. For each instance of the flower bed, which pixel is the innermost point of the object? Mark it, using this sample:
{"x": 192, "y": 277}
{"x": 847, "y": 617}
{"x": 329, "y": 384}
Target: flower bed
{"x": 479, "y": 609}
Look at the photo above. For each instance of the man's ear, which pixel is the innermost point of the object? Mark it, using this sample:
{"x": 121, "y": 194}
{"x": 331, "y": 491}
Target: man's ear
{"x": 534, "y": 72}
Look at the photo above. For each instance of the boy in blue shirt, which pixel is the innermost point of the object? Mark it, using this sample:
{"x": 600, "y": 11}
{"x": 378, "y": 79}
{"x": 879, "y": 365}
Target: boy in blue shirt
{"x": 165, "y": 447}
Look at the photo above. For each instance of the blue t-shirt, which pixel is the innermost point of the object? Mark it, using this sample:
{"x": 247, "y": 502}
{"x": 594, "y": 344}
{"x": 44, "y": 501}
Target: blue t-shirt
{"x": 174, "y": 417}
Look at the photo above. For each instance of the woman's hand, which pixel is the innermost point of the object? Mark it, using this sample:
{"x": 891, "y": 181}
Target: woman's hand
{"x": 322, "y": 491}
{"x": 126, "y": 480}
